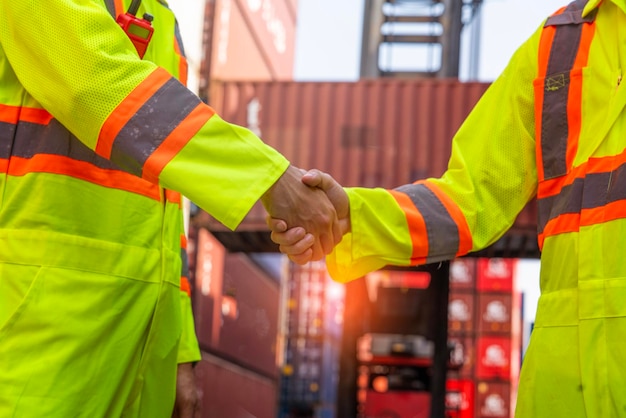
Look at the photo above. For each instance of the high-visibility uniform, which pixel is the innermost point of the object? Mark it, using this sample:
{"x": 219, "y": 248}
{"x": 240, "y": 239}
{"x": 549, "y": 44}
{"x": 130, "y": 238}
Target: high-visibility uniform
{"x": 554, "y": 129}
{"x": 92, "y": 140}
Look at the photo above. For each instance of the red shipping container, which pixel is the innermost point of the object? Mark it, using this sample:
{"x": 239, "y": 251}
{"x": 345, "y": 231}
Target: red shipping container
{"x": 461, "y": 312}
{"x": 397, "y": 404}
{"x": 493, "y": 399}
{"x": 495, "y": 274}
{"x": 493, "y": 358}
{"x": 460, "y": 398}
{"x": 463, "y": 273}
{"x": 230, "y": 391}
{"x": 209, "y": 272}
{"x": 464, "y": 352}
{"x": 495, "y": 312}
{"x": 236, "y": 306}
{"x": 249, "y": 314}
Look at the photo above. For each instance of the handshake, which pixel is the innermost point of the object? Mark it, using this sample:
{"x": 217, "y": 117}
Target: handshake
{"x": 308, "y": 214}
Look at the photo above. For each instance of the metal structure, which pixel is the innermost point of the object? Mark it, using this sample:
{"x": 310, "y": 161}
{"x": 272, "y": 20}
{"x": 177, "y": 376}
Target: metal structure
{"x": 415, "y": 38}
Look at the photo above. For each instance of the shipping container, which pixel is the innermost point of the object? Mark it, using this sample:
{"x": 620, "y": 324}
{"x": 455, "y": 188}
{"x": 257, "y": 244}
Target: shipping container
{"x": 493, "y": 358}
{"x": 460, "y": 394}
{"x": 463, "y": 351}
{"x": 251, "y": 40}
{"x": 496, "y": 313}
{"x": 494, "y": 399}
{"x": 463, "y": 274}
{"x": 370, "y": 133}
{"x": 236, "y": 306}
{"x": 209, "y": 272}
{"x": 230, "y": 391}
{"x": 461, "y": 306}
{"x": 313, "y": 323}
{"x": 495, "y": 274}
{"x": 249, "y": 314}
{"x": 397, "y": 404}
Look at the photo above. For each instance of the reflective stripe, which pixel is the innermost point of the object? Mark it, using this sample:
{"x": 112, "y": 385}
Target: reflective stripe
{"x": 561, "y": 39}
{"x": 416, "y": 226}
{"x": 110, "y": 4}
{"x": 183, "y": 66}
{"x": 57, "y": 151}
{"x": 185, "y": 286}
{"x": 184, "y": 263}
{"x": 596, "y": 198}
{"x": 127, "y": 109}
{"x": 131, "y": 149}
{"x": 435, "y": 215}
{"x": 175, "y": 141}
{"x": 566, "y": 198}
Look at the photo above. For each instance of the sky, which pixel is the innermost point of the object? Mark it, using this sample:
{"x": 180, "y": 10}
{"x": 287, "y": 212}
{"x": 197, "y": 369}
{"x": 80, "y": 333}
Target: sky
{"x": 328, "y": 38}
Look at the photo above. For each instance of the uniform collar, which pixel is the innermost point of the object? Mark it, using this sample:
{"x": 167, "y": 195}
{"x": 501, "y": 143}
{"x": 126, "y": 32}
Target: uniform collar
{"x": 593, "y": 4}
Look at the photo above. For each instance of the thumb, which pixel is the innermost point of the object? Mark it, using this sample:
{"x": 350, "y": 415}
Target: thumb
{"x": 336, "y": 193}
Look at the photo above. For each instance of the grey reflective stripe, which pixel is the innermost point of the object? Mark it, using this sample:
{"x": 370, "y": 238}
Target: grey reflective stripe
{"x": 572, "y": 15}
{"x": 592, "y": 192}
{"x": 554, "y": 126}
{"x": 185, "y": 263}
{"x": 151, "y": 125}
{"x": 7, "y": 132}
{"x": 442, "y": 231}
{"x": 111, "y": 7}
{"x": 27, "y": 140}
{"x": 179, "y": 39}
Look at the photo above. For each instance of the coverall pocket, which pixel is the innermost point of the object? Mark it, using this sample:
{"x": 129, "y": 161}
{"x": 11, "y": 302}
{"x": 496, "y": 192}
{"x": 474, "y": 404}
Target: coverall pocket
{"x": 19, "y": 285}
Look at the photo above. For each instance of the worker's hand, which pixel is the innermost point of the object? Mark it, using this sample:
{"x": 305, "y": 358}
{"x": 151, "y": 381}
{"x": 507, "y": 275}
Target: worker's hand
{"x": 301, "y": 205}
{"x": 187, "y": 403}
{"x": 295, "y": 242}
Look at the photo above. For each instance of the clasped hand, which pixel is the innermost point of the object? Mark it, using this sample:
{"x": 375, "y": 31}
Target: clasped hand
{"x": 307, "y": 217}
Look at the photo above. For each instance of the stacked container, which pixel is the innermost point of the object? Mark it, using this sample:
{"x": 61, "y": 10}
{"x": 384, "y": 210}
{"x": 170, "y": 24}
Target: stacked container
{"x": 312, "y": 329}
{"x": 485, "y": 330}
{"x": 236, "y": 306}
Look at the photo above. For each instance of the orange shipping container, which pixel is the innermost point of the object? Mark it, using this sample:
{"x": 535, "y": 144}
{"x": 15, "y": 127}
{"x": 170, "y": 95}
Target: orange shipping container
{"x": 252, "y": 40}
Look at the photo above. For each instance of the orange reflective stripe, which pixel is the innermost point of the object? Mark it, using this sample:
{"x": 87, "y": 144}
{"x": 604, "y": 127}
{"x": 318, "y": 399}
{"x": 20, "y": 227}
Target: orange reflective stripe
{"x": 175, "y": 141}
{"x": 119, "y": 7}
{"x": 57, "y": 164}
{"x": 127, "y": 109}
{"x": 9, "y": 114}
{"x": 574, "y": 104}
{"x": 183, "y": 66}
{"x": 183, "y": 241}
{"x": 465, "y": 235}
{"x": 14, "y": 114}
{"x": 173, "y": 197}
{"x": 416, "y": 225}
{"x": 185, "y": 286}
{"x": 565, "y": 223}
